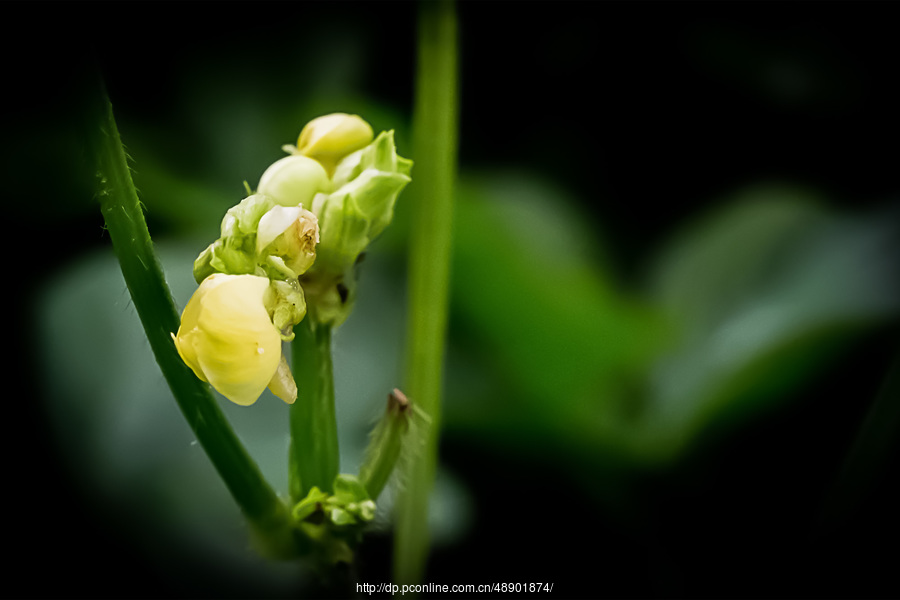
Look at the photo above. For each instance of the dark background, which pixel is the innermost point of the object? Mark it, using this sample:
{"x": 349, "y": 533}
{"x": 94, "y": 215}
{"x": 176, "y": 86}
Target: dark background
{"x": 648, "y": 112}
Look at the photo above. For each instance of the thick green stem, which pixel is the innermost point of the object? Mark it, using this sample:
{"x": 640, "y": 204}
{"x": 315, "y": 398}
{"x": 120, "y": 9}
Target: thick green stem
{"x": 150, "y": 294}
{"x": 314, "y": 454}
{"x": 434, "y": 145}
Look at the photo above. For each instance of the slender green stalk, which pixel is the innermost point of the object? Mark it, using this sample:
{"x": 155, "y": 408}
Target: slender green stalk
{"x": 314, "y": 454}
{"x": 434, "y": 145}
{"x": 151, "y": 297}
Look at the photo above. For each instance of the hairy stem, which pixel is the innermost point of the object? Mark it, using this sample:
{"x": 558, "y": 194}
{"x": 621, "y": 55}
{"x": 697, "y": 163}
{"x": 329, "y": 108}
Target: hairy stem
{"x": 122, "y": 211}
{"x": 434, "y": 145}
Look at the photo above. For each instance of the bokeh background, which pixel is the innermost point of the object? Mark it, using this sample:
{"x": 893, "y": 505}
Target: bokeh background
{"x": 675, "y": 293}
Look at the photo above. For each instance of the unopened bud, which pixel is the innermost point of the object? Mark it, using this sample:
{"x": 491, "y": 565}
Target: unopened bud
{"x": 294, "y": 180}
{"x": 330, "y": 138}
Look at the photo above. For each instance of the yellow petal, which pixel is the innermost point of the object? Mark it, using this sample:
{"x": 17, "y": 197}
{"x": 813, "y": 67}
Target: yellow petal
{"x": 189, "y": 323}
{"x": 282, "y": 384}
{"x": 227, "y": 338}
{"x": 184, "y": 343}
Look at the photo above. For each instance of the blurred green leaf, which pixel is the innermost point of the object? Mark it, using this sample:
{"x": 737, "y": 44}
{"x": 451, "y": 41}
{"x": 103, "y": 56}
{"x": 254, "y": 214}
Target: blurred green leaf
{"x": 718, "y": 262}
{"x": 765, "y": 291}
{"x": 744, "y": 305}
{"x": 529, "y": 281}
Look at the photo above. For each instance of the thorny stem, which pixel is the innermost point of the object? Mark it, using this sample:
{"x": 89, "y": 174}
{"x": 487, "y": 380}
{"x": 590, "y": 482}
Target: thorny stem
{"x": 268, "y": 516}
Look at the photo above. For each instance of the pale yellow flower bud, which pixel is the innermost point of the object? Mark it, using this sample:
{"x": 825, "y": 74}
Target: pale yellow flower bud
{"x": 294, "y": 180}
{"x": 330, "y": 138}
{"x": 227, "y": 338}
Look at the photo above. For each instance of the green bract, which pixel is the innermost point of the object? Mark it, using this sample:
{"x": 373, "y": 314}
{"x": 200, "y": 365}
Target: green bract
{"x": 262, "y": 237}
{"x": 366, "y": 185}
{"x": 285, "y": 305}
{"x": 235, "y": 250}
{"x": 349, "y": 505}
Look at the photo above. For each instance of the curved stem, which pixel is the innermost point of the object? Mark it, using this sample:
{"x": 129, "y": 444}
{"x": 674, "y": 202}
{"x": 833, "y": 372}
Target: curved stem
{"x": 150, "y": 294}
{"x": 434, "y": 143}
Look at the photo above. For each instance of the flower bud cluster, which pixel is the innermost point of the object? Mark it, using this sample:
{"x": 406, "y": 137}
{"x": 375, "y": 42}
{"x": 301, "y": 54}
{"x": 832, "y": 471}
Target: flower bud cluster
{"x": 288, "y": 249}
{"x": 364, "y": 184}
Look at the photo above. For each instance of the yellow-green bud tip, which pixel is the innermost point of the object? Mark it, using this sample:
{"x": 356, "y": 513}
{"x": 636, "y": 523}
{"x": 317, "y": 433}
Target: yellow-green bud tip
{"x": 330, "y": 138}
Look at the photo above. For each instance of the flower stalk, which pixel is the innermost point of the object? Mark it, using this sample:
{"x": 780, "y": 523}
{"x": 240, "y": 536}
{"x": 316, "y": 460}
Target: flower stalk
{"x": 314, "y": 458}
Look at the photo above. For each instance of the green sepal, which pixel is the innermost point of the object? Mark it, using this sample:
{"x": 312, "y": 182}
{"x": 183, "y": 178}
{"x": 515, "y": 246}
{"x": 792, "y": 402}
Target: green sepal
{"x": 331, "y": 297}
{"x": 344, "y": 232}
{"x": 380, "y": 155}
{"x": 276, "y": 270}
{"x": 243, "y": 218}
{"x": 339, "y": 516}
{"x": 366, "y": 186}
{"x": 234, "y": 252}
{"x": 232, "y": 256}
{"x": 313, "y": 502}
{"x": 349, "y": 506}
{"x": 203, "y": 264}
{"x": 347, "y": 489}
{"x": 286, "y": 305}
